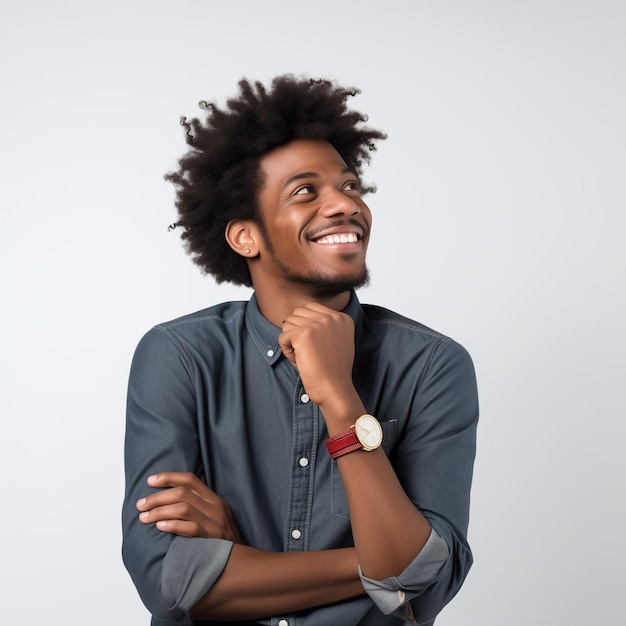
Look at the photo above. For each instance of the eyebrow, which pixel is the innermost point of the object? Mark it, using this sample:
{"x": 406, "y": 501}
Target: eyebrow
{"x": 301, "y": 175}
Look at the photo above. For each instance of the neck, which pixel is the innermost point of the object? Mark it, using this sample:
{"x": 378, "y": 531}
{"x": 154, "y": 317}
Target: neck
{"x": 276, "y": 305}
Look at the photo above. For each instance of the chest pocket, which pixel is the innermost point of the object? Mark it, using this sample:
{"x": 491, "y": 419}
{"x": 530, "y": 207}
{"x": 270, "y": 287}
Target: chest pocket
{"x": 338, "y": 498}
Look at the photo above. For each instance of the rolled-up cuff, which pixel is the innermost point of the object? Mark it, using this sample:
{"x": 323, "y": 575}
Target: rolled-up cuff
{"x": 190, "y": 567}
{"x": 392, "y": 595}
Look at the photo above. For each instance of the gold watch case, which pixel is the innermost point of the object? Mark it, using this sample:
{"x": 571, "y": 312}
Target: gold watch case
{"x": 368, "y": 431}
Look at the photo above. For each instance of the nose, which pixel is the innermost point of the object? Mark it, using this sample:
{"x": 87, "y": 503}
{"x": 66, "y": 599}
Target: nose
{"x": 338, "y": 203}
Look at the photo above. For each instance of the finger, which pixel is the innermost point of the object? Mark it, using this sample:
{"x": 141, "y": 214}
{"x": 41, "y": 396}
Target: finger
{"x": 179, "y": 527}
{"x": 191, "y": 529}
{"x": 303, "y": 317}
{"x": 290, "y": 353}
{"x": 173, "y": 479}
{"x": 188, "y": 480}
{"x": 284, "y": 341}
{"x": 163, "y": 498}
{"x": 184, "y": 519}
{"x": 176, "y": 510}
{"x": 295, "y": 321}
{"x": 294, "y": 333}
{"x": 201, "y": 513}
{"x": 172, "y": 495}
{"x": 314, "y": 310}
{"x": 315, "y": 307}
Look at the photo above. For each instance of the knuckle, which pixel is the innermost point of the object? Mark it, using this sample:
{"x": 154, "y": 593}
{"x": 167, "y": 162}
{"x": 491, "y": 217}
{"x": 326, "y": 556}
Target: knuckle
{"x": 186, "y": 478}
{"x": 185, "y": 508}
{"x": 198, "y": 531}
{"x": 179, "y": 492}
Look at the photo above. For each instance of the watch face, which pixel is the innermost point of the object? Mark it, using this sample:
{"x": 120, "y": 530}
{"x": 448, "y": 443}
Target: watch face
{"x": 368, "y": 432}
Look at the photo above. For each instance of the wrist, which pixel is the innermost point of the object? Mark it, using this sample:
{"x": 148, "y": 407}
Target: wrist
{"x": 341, "y": 410}
{"x": 365, "y": 434}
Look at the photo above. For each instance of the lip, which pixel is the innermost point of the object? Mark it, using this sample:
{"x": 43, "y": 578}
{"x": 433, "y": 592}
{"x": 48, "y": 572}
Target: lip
{"x": 344, "y": 229}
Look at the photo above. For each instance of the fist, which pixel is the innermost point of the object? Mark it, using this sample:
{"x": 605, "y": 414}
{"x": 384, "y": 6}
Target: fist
{"x": 319, "y": 343}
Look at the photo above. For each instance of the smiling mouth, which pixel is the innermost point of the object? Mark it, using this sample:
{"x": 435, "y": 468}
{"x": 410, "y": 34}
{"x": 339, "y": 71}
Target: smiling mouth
{"x": 338, "y": 239}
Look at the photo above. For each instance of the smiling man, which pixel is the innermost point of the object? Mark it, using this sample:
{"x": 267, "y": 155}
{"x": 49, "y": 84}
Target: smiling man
{"x": 300, "y": 459}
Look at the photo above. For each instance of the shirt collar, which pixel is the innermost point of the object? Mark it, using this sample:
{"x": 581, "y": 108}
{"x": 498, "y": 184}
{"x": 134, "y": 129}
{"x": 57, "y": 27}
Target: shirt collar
{"x": 265, "y": 334}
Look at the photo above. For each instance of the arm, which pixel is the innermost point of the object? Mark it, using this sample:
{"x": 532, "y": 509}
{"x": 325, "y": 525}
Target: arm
{"x": 432, "y": 462}
{"x": 192, "y": 560}
{"x": 320, "y": 344}
{"x": 274, "y": 583}
{"x": 170, "y": 572}
{"x": 277, "y": 583}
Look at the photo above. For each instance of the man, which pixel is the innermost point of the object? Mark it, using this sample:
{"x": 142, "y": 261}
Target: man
{"x": 260, "y": 486}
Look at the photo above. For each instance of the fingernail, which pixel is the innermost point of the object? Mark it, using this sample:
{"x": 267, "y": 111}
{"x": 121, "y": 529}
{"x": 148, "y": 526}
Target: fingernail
{"x": 144, "y": 515}
{"x": 152, "y": 479}
{"x": 141, "y": 502}
{"x": 161, "y": 524}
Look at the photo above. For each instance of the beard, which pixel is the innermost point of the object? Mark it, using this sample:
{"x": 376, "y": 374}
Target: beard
{"x": 324, "y": 286}
{"x": 320, "y": 285}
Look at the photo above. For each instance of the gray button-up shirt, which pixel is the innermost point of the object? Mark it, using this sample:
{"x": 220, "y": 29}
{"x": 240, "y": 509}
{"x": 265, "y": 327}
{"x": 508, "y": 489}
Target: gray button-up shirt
{"x": 211, "y": 393}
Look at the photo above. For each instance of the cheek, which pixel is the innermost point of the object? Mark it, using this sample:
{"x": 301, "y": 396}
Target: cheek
{"x": 366, "y": 214}
{"x": 289, "y": 229}
{"x": 285, "y": 238}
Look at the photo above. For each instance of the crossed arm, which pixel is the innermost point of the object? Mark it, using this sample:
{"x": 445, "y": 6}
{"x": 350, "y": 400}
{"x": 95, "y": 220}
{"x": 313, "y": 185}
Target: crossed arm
{"x": 273, "y": 582}
{"x": 319, "y": 342}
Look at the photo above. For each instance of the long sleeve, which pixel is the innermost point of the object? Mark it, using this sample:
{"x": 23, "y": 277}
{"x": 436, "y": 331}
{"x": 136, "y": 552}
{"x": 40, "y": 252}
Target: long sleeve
{"x": 426, "y": 381}
{"x": 170, "y": 572}
{"x": 210, "y": 393}
{"x": 434, "y": 462}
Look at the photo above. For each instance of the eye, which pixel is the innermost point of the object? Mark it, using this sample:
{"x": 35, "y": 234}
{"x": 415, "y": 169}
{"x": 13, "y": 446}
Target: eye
{"x": 352, "y": 185}
{"x": 305, "y": 189}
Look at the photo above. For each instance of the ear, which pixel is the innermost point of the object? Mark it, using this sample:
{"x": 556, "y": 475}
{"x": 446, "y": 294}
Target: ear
{"x": 241, "y": 236}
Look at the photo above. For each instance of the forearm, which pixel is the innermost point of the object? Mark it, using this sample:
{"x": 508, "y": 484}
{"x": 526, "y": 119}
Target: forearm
{"x": 256, "y": 583}
{"x": 388, "y": 529}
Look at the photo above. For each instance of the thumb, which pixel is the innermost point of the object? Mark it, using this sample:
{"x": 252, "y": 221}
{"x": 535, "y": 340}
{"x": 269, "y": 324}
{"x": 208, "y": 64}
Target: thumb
{"x": 288, "y": 350}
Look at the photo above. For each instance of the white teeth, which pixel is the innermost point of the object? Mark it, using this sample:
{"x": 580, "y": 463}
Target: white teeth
{"x": 342, "y": 238}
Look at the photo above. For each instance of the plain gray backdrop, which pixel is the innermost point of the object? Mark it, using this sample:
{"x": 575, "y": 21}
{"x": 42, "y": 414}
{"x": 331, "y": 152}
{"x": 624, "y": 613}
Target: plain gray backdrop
{"x": 500, "y": 220}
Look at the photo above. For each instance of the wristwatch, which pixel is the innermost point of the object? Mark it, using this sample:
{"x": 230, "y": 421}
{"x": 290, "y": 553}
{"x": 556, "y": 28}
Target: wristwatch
{"x": 364, "y": 434}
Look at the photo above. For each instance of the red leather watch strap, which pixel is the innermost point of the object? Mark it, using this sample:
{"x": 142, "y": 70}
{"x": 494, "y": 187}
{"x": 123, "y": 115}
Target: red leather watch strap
{"x": 343, "y": 443}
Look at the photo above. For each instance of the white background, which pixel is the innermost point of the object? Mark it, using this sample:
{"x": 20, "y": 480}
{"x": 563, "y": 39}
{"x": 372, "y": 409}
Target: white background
{"x": 500, "y": 220}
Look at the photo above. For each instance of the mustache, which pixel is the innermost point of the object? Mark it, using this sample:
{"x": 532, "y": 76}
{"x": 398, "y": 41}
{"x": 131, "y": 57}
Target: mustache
{"x": 311, "y": 234}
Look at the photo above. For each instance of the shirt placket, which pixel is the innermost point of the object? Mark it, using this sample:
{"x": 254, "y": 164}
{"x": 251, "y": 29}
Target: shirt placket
{"x": 302, "y": 469}
{"x": 305, "y": 433}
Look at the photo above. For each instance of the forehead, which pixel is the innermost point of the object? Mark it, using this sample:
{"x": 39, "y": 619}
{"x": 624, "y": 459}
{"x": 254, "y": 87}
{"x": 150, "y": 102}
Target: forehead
{"x": 299, "y": 156}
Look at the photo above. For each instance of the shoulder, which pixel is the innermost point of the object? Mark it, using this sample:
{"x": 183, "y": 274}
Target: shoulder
{"x": 207, "y": 328}
{"x": 224, "y": 315}
{"x": 399, "y": 335}
{"x": 382, "y": 321}
{"x": 378, "y": 315}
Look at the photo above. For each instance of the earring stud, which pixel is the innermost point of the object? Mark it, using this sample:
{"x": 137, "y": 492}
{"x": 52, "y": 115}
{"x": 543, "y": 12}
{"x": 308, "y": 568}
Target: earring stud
{"x": 247, "y": 250}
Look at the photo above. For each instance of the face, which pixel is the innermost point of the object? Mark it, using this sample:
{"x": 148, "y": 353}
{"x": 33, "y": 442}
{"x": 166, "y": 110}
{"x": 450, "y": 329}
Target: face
{"x": 315, "y": 225}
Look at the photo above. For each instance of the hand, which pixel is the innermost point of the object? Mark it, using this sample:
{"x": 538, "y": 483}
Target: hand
{"x": 187, "y": 507}
{"x": 319, "y": 343}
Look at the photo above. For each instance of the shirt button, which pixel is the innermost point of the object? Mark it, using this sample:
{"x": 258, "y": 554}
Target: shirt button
{"x": 296, "y": 534}
{"x": 304, "y": 398}
{"x": 270, "y": 353}
{"x": 303, "y": 461}
{"x": 283, "y": 622}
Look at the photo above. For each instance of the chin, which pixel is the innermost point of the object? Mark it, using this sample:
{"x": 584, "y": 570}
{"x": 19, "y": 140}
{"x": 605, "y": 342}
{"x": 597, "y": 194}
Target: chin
{"x": 323, "y": 286}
